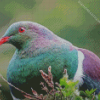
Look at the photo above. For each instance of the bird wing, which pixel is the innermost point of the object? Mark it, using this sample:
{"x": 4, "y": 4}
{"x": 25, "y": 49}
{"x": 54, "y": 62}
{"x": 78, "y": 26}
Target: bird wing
{"x": 91, "y": 64}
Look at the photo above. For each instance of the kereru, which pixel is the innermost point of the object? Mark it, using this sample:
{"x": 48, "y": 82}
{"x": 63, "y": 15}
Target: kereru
{"x": 37, "y": 48}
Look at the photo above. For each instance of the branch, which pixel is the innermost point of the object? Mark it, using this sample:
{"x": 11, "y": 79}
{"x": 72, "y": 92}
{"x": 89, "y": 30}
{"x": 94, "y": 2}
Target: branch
{"x": 24, "y": 93}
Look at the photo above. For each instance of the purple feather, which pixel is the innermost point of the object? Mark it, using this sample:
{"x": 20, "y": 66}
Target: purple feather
{"x": 91, "y": 64}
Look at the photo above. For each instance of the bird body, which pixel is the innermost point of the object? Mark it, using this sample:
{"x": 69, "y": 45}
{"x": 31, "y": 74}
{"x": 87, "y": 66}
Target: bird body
{"x": 36, "y": 49}
{"x": 23, "y": 70}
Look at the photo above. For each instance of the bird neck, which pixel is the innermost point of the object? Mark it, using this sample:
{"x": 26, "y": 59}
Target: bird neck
{"x": 41, "y": 45}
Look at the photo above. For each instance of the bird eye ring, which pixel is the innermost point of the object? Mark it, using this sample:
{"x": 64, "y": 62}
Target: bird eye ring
{"x": 22, "y": 29}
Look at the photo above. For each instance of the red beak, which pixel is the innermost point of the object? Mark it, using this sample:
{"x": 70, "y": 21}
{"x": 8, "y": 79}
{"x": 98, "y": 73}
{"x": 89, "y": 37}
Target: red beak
{"x": 4, "y": 39}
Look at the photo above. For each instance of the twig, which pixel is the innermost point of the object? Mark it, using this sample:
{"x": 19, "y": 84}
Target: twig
{"x": 93, "y": 97}
{"x": 16, "y": 87}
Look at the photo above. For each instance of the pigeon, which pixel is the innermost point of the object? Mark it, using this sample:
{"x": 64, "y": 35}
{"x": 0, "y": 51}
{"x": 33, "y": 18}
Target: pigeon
{"x": 37, "y": 48}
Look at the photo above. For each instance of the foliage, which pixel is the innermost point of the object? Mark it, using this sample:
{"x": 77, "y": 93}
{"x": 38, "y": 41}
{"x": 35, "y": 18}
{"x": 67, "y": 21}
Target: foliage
{"x": 65, "y": 90}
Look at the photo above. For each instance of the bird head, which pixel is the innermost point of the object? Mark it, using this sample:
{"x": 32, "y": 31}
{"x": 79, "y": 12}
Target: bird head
{"x": 20, "y": 33}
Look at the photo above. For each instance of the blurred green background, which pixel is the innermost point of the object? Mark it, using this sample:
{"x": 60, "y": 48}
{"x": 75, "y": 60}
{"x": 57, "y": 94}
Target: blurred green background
{"x": 68, "y": 19}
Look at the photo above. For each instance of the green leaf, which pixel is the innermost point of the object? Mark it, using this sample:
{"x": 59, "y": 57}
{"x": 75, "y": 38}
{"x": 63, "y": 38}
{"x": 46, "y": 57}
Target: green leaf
{"x": 98, "y": 96}
{"x": 78, "y": 98}
{"x": 90, "y": 92}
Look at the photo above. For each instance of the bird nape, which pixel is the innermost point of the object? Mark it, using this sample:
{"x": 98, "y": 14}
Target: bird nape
{"x": 37, "y": 48}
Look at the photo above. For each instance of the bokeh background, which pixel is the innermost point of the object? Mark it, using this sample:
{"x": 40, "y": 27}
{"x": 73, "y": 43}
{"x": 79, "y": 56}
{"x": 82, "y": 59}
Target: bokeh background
{"x": 67, "y": 18}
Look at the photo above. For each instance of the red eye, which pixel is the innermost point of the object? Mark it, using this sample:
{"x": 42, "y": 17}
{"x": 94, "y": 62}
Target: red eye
{"x": 21, "y": 29}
